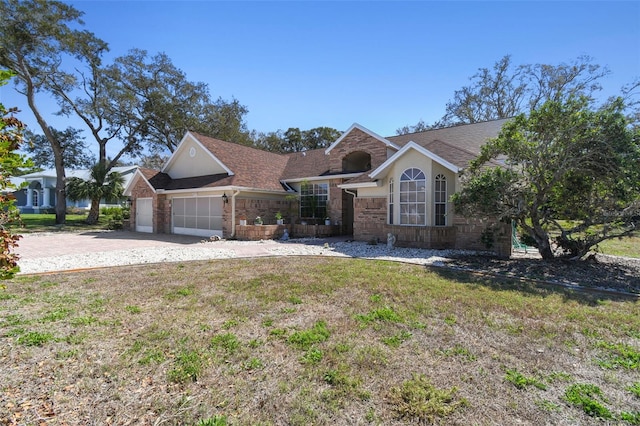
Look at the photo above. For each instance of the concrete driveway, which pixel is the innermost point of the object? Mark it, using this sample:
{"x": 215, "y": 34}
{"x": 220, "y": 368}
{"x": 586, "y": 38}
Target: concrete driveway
{"x": 50, "y": 244}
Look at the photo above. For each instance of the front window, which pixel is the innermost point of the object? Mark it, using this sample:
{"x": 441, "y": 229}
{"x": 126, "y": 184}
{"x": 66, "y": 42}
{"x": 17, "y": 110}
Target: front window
{"x": 440, "y": 199}
{"x": 413, "y": 196}
{"x": 313, "y": 200}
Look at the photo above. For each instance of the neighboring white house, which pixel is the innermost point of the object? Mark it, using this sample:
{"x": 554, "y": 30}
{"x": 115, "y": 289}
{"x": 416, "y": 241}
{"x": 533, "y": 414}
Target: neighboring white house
{"x": 38, "y": 193}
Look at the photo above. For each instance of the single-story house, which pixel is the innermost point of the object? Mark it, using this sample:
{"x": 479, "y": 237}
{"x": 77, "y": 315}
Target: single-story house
{"x": 37, "y": 191}
{"x": 363, "y": 185}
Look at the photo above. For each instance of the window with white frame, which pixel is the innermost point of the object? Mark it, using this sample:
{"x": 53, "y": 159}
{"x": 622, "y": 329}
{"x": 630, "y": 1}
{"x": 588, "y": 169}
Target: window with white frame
{"x": 440, "y": 200}
{"x": 413, "y": 197}
{"x": 391, "y": 201}
{"x": 313, "y": 200}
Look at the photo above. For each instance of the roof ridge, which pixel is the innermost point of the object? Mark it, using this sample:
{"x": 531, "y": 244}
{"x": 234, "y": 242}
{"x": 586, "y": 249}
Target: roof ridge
{"x": 450, "y": 127}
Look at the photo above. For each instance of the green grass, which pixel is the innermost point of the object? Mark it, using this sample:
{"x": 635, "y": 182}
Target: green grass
{"x": 372, "y": 342}
{"x": 627, "y": 247}
{"x": 47, "y": 223}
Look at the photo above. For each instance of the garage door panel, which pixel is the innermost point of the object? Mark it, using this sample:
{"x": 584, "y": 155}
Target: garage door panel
{"x": 144, "y": 215}
{"x": 201, "y": 216}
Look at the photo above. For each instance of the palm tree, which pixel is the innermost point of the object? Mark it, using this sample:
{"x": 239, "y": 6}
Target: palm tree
{"x": 102, "y": 183}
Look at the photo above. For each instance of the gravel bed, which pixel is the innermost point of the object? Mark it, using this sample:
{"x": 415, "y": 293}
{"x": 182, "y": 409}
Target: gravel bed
{"x": 604, "y": 272}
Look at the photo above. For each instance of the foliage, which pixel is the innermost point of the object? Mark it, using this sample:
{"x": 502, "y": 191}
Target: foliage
{"x": 11, "y": 138}
{"x": 39, "y": 42}
{"x": 568, "y": 173}
{"x": 296, "y": 140}
{"x": 589, "y": 397}
{"x": 635, "y": 389}
{"x": 188, "y": 366}
{"x": 306, "y": 338}
{"x": 75, "y": 152}
{"x": 521, "y": 381}
{"x": 419, "y": 399}
{"x": 506, "y": 90}
{"x": 619, "y": 355}
{"x": 102, "y": 183}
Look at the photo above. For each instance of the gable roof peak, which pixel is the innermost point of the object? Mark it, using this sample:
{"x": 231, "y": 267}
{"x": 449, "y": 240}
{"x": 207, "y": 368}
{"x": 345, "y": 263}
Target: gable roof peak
{"x": 357, "y": 126}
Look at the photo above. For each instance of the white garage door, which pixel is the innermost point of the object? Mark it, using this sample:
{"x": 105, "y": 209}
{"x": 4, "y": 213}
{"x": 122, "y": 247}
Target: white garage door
{"x": 144, "y": 215}
{"x": 200, "y": 216}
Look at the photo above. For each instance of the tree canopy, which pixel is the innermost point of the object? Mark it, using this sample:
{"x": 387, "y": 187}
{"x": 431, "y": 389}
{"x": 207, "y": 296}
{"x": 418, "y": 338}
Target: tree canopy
{"x": 505, "y": 90}
{"x": 570, "y": 177}
{"x": 296, "y": 140}
{"x": 75, "y": 152}
{"x": 102, "y": 184}
{"x": 39, "y": 43}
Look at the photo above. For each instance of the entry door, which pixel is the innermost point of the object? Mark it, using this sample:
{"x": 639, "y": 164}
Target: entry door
{"x": 144, "y": 215}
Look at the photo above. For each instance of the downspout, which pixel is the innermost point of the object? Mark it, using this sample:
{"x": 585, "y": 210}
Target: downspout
{"x": 233, "y": 213}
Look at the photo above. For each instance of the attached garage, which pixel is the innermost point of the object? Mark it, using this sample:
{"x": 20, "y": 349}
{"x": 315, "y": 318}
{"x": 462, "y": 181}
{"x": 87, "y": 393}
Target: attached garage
{"x": 200, "y": 216}
{"x": 144, "y": 215}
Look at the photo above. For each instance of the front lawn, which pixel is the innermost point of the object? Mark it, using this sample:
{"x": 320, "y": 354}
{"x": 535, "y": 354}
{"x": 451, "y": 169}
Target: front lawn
{"x": 47, "y": 223}
{"x": 325, "y": 341}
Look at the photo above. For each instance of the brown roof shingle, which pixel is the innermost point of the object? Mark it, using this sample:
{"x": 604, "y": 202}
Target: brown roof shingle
{"x": 459, "y": 144}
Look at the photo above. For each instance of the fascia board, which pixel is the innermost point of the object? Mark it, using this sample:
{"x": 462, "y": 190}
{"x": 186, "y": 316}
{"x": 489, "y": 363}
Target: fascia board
{"x": 329, "y": 177}
{"x": 388, "y": 143}
{"x": 412, "y": 145}
{"x": 359, "y": 185}
{"x": 220, "y": 188}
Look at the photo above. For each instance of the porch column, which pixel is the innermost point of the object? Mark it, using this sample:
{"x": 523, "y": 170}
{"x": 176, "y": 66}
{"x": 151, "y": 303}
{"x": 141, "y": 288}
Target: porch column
{"x": 29, "y": 197}
{"x": 46, "y": 200}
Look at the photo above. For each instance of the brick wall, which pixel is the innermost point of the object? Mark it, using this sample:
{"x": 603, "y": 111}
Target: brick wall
{"x": 357, "y": 140}
{"x": 266, "y": 209}
{"x": 261, "y": 232}
{"x": 371, "y": 224}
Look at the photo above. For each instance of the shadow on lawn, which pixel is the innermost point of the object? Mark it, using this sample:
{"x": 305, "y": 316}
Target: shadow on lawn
{"x": 579, "y": 281}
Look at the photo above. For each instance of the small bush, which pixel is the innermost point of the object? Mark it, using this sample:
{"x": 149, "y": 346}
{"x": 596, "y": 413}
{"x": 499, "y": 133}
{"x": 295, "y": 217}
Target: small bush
{"x": 418, "y": 399}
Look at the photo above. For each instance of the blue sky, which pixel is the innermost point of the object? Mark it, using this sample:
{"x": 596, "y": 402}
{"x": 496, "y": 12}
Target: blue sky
{"x": 381, "y": 64}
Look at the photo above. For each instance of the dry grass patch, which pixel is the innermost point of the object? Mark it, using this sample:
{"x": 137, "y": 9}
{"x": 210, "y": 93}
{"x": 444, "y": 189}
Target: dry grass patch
{"x": 310, "y": 341}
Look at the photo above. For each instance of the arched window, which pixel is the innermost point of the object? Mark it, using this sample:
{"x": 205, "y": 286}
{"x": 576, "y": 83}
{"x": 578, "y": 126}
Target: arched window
{"x": 36, "y": 198}
{"x": 440, "y": 200}
{"x": 391, "y": 201}
{"x": 413, "y": 196}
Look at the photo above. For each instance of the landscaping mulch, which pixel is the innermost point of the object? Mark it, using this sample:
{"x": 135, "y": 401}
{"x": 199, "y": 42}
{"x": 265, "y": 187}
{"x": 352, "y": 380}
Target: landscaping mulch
{"x": 611, "y": 273}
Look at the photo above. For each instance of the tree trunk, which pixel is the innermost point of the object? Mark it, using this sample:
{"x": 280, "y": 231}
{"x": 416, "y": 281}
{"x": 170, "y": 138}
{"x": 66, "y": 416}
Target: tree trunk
{"x": 61, "y": 193}
{"x": 94, "y": 211}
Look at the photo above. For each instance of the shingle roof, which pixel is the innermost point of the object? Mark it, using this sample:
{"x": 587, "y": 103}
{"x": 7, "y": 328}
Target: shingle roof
{"x": 306, "y": 164}
{"x": 251, "y": 167}
{"x": 457, "y": 144}
{"x": 256, "y": 168}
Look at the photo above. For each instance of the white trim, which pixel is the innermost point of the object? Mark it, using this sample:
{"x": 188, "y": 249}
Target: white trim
{"x": 220, "y": 188}
{"x": 412, "y": 145}
{"x": 388, "y": 143}
{"x": 190, "y": 135}
{"x": 327, "y": 177}
{"x": 360, "y": 185}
